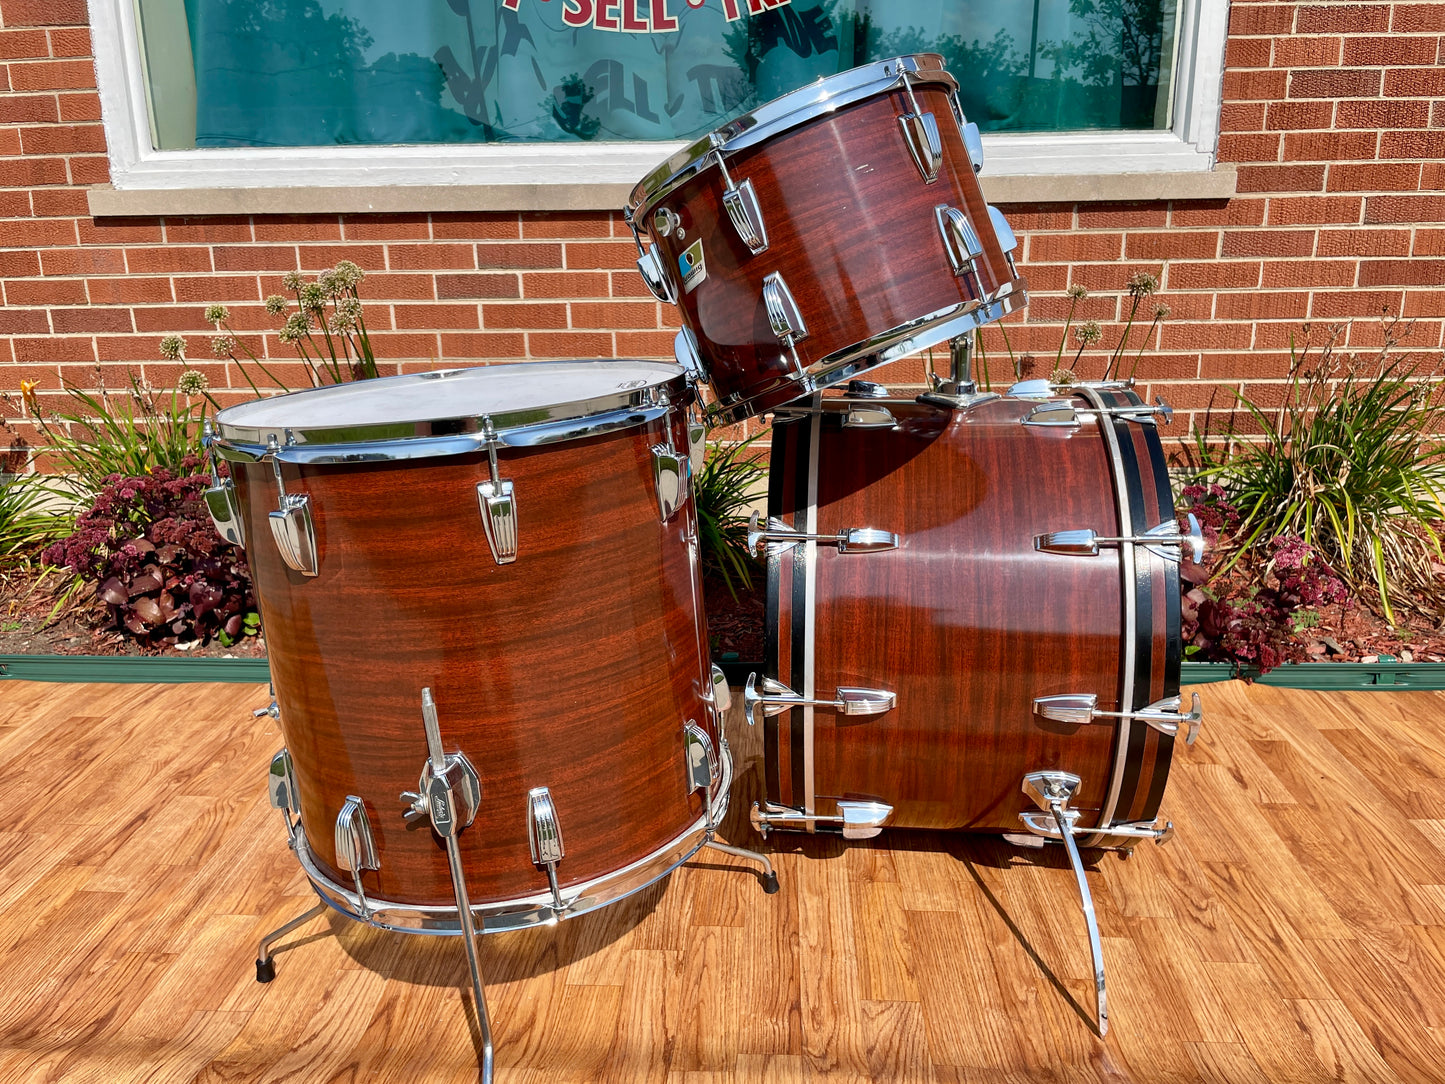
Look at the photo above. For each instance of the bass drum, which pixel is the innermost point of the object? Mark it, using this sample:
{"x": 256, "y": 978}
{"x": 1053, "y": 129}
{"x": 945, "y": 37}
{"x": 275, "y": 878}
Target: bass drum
{"x": 833, "y": 229}
{"x": 518, "y": 540}
{"x": 944, "y": 639}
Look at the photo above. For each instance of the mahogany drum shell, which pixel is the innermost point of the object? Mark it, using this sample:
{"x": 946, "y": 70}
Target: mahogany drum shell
{"x": 965, "y": 621}
{"x": 852, "y": 229}
{"x": 575, "y": 667}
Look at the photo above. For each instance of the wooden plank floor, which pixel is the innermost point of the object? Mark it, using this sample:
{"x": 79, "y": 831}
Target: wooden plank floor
{"x": 1294, "y": 930}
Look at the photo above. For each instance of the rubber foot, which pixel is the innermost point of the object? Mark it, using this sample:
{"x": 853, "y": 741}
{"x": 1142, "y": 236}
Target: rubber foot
{"x": 770, "y": 882}
{"x": 265, "y": 970}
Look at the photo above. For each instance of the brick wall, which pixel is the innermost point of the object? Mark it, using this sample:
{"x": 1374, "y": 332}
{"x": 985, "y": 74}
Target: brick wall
{"x": 1334, "y": 113}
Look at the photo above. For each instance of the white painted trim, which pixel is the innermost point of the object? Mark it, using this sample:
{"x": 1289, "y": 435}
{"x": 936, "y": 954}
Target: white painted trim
{"x": 136, "y": 165}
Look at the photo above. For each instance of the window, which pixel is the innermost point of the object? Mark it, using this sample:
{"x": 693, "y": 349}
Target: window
{"x": 537, "y": 91}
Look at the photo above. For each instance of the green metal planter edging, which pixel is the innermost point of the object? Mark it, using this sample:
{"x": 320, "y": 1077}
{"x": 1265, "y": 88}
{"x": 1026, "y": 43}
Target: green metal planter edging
{"x": 1384, "y": 675}
{"x": 133, "y": 669}
{"x": 165, "y": 669}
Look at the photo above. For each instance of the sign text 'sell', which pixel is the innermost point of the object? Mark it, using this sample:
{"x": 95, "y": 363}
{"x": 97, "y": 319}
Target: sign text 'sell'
{"x": 645, "y": 16}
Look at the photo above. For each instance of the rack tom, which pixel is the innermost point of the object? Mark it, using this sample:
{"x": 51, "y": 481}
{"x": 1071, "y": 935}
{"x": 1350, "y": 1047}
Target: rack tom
{"x": 832, "y": 229}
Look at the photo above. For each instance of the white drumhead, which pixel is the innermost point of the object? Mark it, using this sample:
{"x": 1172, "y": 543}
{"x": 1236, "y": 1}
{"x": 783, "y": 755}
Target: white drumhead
{"x": 450, "y": 393}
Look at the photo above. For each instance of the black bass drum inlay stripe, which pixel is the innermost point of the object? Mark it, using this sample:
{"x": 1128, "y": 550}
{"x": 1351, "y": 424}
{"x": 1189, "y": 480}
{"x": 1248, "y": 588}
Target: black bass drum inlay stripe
{"x": 1173, "y": 645}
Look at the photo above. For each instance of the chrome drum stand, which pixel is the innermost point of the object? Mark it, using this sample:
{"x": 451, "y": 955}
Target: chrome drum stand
{"x": 448, "y": 795}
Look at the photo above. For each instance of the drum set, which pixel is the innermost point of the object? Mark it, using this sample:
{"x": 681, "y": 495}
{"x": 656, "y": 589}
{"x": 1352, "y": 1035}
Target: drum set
{"x": 481, "y": 588}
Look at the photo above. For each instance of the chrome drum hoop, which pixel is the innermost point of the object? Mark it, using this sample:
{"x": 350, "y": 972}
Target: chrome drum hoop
{"x": 792, "y": 110}
{"x": 528, "y": 911}
{"x": 890, "y": 345}
{"x": 459, "y": 434}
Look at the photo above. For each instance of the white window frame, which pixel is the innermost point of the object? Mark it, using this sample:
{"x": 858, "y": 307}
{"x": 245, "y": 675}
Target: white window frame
{"x": 1188, "y": 147}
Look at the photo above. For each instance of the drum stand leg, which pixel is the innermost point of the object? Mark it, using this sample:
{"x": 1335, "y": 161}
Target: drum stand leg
{"x": 450, "y": 792}
{"x": 769, "y": 875}
{"x": 265, "y": 966}
{"x": 1052, "y": 791}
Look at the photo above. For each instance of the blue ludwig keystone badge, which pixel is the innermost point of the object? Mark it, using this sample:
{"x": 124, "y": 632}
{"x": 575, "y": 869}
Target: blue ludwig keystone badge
{"x": 692, "y": 266}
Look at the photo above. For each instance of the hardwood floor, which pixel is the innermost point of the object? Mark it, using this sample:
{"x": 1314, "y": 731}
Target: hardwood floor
{"x": 1293, "y": 930}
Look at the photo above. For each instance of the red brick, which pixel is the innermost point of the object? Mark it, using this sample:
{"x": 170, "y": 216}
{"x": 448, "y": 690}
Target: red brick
{"x": 1334, "y": 83}
{"x": 1405, "y": 209}
{"x": 1296, "y": 116}
{"x": 23, "y": 44}
{"x": 370, "y": 258}
{"x": 524, "y": 316}
{"x": 398, "y": 227}
{"x": 532, "y": 254}
{"x": 64, "y": 139}
{"x": 88, "y": 320}
{"x": 46, "y": 292}
{"x": 1213, "y": 275}
{"x": 1375, "y": 177}
{"x": 567, "y": 225}
{"x": 24, "y": 322}
{"x": 129, "y": 291}
{"x": 1260, "y": 147}
{"x": 1073, "y": 247}
{"x": 1367, "y": 242}
{"x": 563, "y": 284}
{"x": 629, "y": 283}
{"x": 181, "y": 319}
{"x": 1209, "y": 335}
{"x": 1328, "y": 306}
{"x": 421, "y": 317}
{"x": 1415, "y": 83}
{"x": 430, "y": 257}
{"x": 404, "y": 344}
{"x": 1298, "y": 210}
{"x": 82, "y": 261}
{"x": 476, "y": 227}
{"x": 255, "y": 258}
{"x": 120, "y": 231}
{"x": 1300, "y": 274}
{"x": 28, "y": 109}
{"x": 1120, "y": 216}
{"x": 28, "y": 172}
{"x": 1425, "y": 303}
{"x": 1261, "y": 305}
{"x": 298, "y": 228}
{"x": 1176, "y": 244}
{"x": 1110, "y": 276}
{"x": 15, "y": 203}
{"x": 52, "y": 75}
{"x": 79, "y": 107}
{"x": 1181, "y": 306}
{"x": 1268, "y": 242}
{"x": 205, "y": 289}
{"x": 1041, "y": 277}
{"x": 570, "y": 344}
{"x": 53, "y": 348}
{"x": 1281, "y": 178}
{"x": 478, "y": 345}
{"x": 1402, "y": 273}
{"x": 620, "y": 316}
{"x": 1343, "y": 19}
{"x": 1414, "y": 145}
{"x": 1233, "y": 212}
{"x": 1239, "y": 117}
{"x": 1254, "y": 86}
{"x": 70, "y": 42}
{"x": 1415, "y": 18}
{"x": 398, "y": 287}
{"x": 168, "y": 259}
{"x": 206, "y": 231}
{"x": 1247, "y": 53}
{"x": 479, "y": 286}
{"x": 1292, "y": 52}
{"x": 645, "y": 344}
{"x": 60, "y": 203}
{"x": 612, "y": 254}
{"x": 19, "y": 263}
{"x": 1025, "y": 217}
{"x": 45, "y": 13}
{"x": 1389, "y": 51}
{"x": 1427, "y": 243}
{"x": 89, "y": 170}
{"x": 1378, "y": 114}
{"x": 1260, "y": 19}
{"x": 36, "y": 232}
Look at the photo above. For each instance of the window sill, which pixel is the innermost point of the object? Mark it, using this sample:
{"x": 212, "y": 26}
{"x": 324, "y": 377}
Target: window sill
{"x": 108, "y": 202}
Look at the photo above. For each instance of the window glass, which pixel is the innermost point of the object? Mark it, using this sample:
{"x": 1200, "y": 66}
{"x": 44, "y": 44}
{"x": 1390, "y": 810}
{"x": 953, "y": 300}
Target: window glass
{"x": 296, "y": 73}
